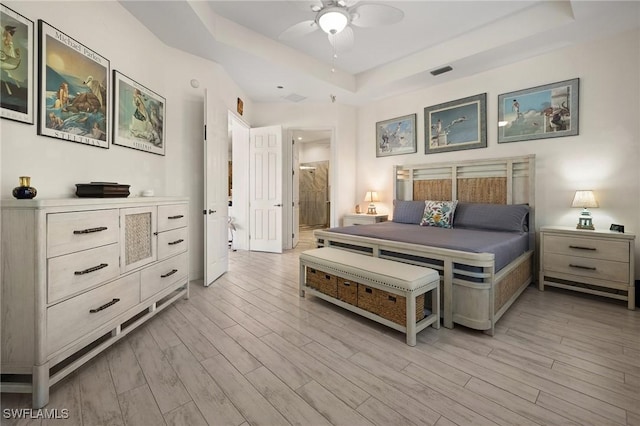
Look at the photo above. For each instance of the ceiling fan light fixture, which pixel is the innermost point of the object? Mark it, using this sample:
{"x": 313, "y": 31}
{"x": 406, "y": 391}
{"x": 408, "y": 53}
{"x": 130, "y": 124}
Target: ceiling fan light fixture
{"x": 333, "y": 20}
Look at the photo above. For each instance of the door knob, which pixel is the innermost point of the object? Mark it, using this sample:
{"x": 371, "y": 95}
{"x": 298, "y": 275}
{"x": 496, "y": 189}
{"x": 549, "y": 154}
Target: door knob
{"x": 211, "y": 211}
{"x": 277, "y": 205}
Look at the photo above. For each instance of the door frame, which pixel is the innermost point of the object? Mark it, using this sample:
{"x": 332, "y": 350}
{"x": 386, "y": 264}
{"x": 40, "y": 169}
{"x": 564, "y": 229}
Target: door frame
{"x": 288, "y": 159}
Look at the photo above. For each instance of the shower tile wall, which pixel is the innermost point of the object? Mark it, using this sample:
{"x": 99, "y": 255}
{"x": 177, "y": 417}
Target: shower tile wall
{"x": 314, "y": 194}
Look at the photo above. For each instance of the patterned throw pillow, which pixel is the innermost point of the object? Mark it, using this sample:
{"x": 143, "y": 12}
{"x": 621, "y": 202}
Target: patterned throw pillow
{"x": 438, "y": 213}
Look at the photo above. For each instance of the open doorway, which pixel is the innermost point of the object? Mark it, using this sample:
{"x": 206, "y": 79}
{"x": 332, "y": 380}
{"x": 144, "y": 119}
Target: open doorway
{"x": 314, "y": 181}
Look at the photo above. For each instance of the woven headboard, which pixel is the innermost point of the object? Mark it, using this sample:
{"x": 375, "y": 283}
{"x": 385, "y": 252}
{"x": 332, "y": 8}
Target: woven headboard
{"x": 496, "y": 181}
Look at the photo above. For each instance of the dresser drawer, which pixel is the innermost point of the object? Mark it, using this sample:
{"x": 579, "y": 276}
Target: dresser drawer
{"x": 73, "y": 273}
{"x": 80, "y": 315}
{"x": 72, "y": 232}
{"x": 587, "y": 247}
{"x": 162, "y": 275}
{"x": 172, "y": 242}
{"x": 172, "y": 216}
{"x": 585, "y": 267}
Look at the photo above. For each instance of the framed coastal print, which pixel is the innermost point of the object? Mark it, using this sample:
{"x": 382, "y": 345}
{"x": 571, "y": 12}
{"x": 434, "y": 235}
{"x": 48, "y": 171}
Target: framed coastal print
{"x": 396, "y": 136}
{"x": 73, "y": 92}
{"x": 456, "y": 125}
{"x": 16, "y": 66}
{"x": 138, "y": 116}
{"x": 541, "y": 112}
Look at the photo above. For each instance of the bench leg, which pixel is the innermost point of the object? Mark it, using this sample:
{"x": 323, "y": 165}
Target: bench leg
{"x": 302, "y": 279}
{"x": 411, "y": 319}
{"x": 435, "y": 305}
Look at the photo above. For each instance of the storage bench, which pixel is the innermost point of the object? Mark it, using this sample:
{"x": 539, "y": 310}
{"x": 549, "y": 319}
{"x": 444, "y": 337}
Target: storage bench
{"x": 391, "y": 293}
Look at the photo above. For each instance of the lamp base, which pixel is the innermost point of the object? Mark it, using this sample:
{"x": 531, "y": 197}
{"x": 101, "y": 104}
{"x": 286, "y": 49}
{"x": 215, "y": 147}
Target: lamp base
{"x": 585, "y": 223}
{"x": 372, "y": 209}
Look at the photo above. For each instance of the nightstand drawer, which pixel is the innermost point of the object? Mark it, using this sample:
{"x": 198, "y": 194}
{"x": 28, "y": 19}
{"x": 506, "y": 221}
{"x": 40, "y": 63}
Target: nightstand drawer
{"x": 584, "y": 267}
{"x": 587, "y": 247}
{"x": 71, "y": 232}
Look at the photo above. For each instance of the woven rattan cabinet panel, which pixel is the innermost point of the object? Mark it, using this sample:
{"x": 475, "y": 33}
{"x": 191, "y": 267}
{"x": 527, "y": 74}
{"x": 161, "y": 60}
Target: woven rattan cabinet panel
{"x": 74, "y": 272}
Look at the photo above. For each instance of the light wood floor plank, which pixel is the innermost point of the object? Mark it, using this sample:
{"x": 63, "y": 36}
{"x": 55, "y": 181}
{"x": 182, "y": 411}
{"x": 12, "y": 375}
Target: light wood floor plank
{"x": 399, "y": 401}
{"x": 579, "y": 414}
{"x": 342, "y": 388}
{"x": 595, "y": 379}
{"x": 211, "y": 401}
{"x": 221, "y": 319}
{"x": 381, "y": 414}
{"x": 190, "y": 336}
{"x": 236, "y": 354}
{"x": 325, "y": 403}
{"x": 67, "y": 395}
{"x": 139, "y": 408}
{"x": 124, "y": 367}
{"x": 99, "y": 400}
{"x": 165, "y": 385}
{"x": 285, "y": 400}
{"x": 253, "y": 406}
{"x": 279, "y": 365}
{"x": 516, "y": 404}
{"x": 186, "y": 414}
{"x": 161, "y": 332}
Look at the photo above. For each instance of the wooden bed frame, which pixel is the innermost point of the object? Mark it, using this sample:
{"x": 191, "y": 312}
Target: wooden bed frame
{"x": 474, "y": 299}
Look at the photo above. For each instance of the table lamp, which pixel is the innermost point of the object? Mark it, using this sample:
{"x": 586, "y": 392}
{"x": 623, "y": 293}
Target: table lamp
{"x": 586, "y": 200}
{"x": 371, "y": 197}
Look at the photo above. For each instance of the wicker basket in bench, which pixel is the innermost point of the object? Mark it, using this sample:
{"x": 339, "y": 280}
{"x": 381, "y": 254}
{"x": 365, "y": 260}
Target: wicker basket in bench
{"x": 323, "y": 282}
{"x": 389, "y": 306}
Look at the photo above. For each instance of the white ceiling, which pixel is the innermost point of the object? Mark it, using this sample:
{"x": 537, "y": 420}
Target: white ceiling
{"x": 471, "y": 36}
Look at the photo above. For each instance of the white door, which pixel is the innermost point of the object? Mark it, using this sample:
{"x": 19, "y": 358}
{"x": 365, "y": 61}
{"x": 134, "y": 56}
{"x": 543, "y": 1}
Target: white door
{"x": 295, "y": 176}
{"x": 265, "y": 189}
{"x": 216, "y": 256}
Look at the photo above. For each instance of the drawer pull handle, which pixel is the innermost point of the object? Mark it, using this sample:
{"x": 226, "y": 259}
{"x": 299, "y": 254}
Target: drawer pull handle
{"x": 392, "y": 298}
{"x": 105, "y": 306}
{"x": 590, "y": 268}
{"x": 173, "y": 243}
{"x": 327, "y": 276}
{"x": 368, "y": 290}
{"x": 168, "y": 274}
{"x": 92, "y": 269}
{"x": 179, "y": 216}
{"x": 583, "y": 248}
{"x": 347, "y": 283}
{"x": 90, "y": 230}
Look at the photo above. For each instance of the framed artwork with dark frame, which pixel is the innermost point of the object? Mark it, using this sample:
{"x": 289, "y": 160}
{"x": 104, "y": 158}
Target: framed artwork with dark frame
{"x": 73, "y": 92}
{"x": 138, "y": 116}
{"x": 456, "y": 125}
{"x": 396, "y": 136}
{"x": 548, "y": 111}
{"x": 16, "y": 66}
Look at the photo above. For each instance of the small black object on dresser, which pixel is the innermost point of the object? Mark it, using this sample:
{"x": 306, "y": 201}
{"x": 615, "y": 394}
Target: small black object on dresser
{"x": 102, "y": 190}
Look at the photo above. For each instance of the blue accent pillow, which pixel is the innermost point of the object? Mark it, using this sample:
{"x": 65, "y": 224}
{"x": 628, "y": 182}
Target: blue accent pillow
{"x": 493, "y": 217}
{"x": 438, "y": 213}
{"x": 407, "y": 211}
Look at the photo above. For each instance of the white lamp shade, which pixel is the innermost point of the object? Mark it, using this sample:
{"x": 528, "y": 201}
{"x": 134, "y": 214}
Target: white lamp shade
{"x": 584, "y": 199}
{"x": 372, "y": 197}
{"x": 333, "y": 20}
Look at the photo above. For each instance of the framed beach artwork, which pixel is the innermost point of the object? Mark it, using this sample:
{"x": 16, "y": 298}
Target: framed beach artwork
{"x": 456, "y": 125}
{"x": 73, "y": 92}
{"x": 16, "y": 66}
{"x": 541, "y": 112}
{"x": 138, "y": 116}
{"x": 396, "y": 136}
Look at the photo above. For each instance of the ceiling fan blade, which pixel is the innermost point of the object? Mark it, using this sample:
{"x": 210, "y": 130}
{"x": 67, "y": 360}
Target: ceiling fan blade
{"x": 343, "y": 41}
{"x": 298, "y": 30}
{"x": 373, "y": 15}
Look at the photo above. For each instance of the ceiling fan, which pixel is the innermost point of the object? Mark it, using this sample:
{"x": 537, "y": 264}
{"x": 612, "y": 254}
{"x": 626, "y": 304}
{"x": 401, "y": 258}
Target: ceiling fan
{"x": 335, "y": 17}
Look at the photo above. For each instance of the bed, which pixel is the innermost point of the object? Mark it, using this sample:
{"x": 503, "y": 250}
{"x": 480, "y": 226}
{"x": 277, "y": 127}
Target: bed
{"x": 479, "y": 282}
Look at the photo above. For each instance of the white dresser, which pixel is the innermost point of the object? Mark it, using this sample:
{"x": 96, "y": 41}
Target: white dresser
{"x": 363, "y": 219}
{"x": 595, "y": 262}
{"x": 78, "y": 275}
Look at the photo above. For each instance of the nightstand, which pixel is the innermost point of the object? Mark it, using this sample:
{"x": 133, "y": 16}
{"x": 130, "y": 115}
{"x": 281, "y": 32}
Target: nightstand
{"x": 363, "y": 219}
{"x": 594, "y": 262}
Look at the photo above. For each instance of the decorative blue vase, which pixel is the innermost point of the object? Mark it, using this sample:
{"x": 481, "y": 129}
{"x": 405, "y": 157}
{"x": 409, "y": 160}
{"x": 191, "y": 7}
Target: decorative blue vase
{"x": 25, "y": 191}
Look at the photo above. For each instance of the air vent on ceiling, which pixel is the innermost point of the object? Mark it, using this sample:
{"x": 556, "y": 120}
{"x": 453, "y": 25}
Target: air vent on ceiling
{"x": 441, "y": 70}
{"x": 294, "y": 97}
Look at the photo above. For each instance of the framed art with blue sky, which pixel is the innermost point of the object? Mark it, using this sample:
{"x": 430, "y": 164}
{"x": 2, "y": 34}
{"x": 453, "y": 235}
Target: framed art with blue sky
{"x": 541, "y": 112}
{"x": 456, "y": 125}
{"x": 396, "y": 136}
